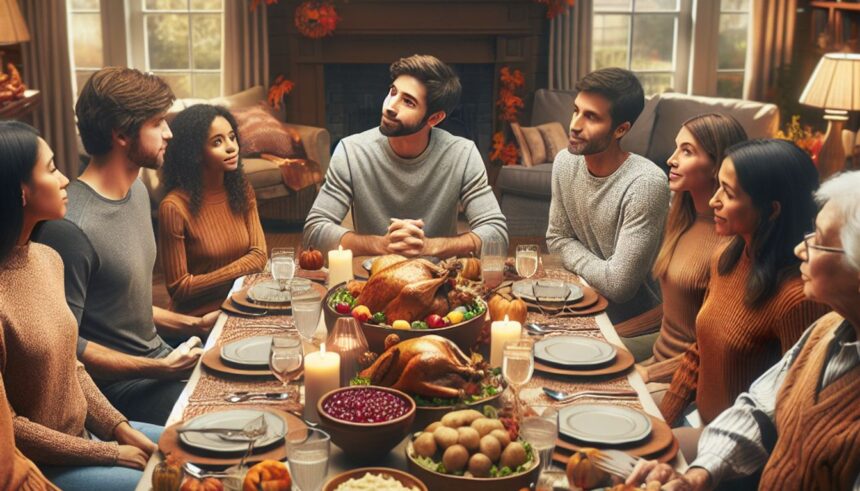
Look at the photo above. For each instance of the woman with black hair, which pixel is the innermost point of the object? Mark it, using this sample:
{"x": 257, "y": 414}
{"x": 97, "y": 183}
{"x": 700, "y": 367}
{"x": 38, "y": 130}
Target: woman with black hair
{"x": 209, "y": 231}
{"x": 61, "y": 419}
{"x": 754, "y": 308}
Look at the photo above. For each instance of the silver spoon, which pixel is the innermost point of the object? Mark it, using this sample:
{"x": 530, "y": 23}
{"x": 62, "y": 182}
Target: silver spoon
{"x": 245, "y": 396}
{"x": 568, "y": 396}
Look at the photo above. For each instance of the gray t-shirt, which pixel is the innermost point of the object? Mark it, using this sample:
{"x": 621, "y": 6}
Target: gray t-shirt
{"x": 609, "y": 229}
{"x": 108, "y": 249}
{"x": 368, "y": 176}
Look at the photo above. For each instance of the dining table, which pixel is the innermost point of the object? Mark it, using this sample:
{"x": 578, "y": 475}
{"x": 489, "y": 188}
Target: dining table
{"x": 204, "y": 391}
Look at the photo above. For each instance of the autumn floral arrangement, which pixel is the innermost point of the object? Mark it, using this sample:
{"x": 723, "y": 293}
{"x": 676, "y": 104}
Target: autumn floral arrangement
{"x": 807, "y": 140}
{"x": 316, "y": 18}
{"x": 509, "y": 103}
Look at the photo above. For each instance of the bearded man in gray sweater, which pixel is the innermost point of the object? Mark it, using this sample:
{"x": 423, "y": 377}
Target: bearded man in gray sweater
{"x": 406, "y": 179}
{"x": 609, "y": 206}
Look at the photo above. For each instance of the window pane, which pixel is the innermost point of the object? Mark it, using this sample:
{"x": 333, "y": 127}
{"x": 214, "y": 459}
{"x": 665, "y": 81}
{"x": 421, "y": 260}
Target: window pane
{"x": 84, "y": 5}
{"x": 610, "y": 38}
{"x": 653, "y": 42}
{"x": 207, "y": 85}
{"x": 87, "y": 40}
{"x": 206, "y": 41}
{"x": 655, "y": 83}
{"x": 179, "y": 82}
{"x": 730, "y": 84}
{"x": 671, "y": 5}
{"x": 167, "y": 35}
{"x": 604, "y": 5}
{"x": 732, "y": 48}
{"x": 206, "y": 5}
{"x": 166, "y": 4}
{"x": 81, "y": 77}
{"x": 737, "y": 5}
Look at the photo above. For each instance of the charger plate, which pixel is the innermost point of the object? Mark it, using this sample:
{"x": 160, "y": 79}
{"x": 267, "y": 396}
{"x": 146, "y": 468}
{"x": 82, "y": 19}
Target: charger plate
{"x": 623, "y": 361}
{"x": 211, "y": 359}
{"x": 276, "y": 429}
{"x": 574, "y": 351}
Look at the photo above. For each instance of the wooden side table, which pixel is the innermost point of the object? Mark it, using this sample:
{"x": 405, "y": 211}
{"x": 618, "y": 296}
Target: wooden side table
{"x": 21, "y": 108}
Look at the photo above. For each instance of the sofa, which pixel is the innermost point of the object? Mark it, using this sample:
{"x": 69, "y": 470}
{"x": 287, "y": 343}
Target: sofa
{"x": 525, "y": 191}
{"x": 275, "y": 200}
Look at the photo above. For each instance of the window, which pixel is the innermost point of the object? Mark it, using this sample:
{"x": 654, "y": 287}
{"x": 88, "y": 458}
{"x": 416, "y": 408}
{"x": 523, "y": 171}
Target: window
{"x": 732, "y": 47}
{"x": 643, "y": 36}
{"x": 85, "y": 40}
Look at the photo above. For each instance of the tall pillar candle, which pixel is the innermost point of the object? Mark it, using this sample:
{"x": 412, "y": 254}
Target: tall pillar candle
{"x": 501, "y": 333}
{"x": 322, "y": 374}
{"x": 339, "y": 266}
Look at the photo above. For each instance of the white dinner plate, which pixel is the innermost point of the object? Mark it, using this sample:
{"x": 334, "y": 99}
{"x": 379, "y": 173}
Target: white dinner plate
{"x": 248, "y": 352}
{"x": 269, "y": 291}
{"x": 547, "y": 291}
{"x": 574, "y": 351}
{"x": 233, "y": 419}
{"x": 603, "y": 424}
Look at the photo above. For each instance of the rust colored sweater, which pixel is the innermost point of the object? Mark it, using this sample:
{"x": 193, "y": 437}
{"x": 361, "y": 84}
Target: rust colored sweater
{"x": 16, "y": 471}
{"x": 737, "y": 343}
{"x": 683, "y": 288}
{"x": 819, "y": 429}
{"x": 202, "y": 254}
{"x": 53, "y": 399}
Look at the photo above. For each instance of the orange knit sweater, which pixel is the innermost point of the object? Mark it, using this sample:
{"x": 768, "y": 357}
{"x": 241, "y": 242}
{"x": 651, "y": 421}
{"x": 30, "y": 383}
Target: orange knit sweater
{"x": 16, "y": 471}
{"x": 683, "y": 287}
{"x": 202, "y": 254}
{"x": 737, "y": 343}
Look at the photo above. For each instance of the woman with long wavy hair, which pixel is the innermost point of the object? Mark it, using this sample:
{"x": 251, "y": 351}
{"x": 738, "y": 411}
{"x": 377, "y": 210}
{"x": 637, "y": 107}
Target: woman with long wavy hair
{"x": 689, "y": 240}
{"x": 209, "y": 231}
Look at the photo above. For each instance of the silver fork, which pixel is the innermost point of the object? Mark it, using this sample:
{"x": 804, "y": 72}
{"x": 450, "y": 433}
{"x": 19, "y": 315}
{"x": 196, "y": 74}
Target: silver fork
{"x": 597, "y": 394}
{"x": 200, "y": 473}
{"x": 615, "y": 462}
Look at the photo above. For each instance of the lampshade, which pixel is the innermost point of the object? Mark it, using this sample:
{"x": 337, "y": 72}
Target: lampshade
{"x": 835, "y": 83}
{"x": 13, "y": 29}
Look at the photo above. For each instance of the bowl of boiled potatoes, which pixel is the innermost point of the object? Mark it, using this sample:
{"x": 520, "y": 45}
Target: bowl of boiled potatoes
{"x": 467, "y": 450}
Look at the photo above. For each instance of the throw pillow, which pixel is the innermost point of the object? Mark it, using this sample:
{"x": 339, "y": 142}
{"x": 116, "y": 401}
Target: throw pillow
{"x": 260, "y": 132}
{"x": 554, "y": 139}
{"x": 526, "y": 156}
{"x": 537, "y": 148}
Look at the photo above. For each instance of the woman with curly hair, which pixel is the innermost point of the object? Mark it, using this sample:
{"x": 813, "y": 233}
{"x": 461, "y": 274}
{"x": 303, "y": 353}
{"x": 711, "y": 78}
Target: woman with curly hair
{"x": 209, "y": 230}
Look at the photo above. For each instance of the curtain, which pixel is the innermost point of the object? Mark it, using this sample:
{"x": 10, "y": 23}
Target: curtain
{"x": 771, "y": 41}
{"x": 570, "y": 46}
{"x": 246, "y": 47}
{"x": 47, "y": 68}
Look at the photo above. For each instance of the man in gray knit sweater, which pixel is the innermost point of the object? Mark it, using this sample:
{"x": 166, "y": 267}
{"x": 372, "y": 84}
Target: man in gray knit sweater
{"x": 405, "y": 179}
{"x": 609, "y": 206}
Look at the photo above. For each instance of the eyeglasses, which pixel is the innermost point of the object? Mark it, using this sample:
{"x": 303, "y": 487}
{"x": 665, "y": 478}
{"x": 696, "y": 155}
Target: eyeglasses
{"x": 809, "y": 242}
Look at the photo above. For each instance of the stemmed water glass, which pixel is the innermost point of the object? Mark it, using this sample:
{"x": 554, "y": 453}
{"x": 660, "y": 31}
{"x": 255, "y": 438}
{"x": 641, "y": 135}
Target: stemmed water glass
{"x": 541, "y": 431}
{"x": 283, "y": 265}
{"x": 285, "y": 358}
{"x": 527, "y": 258}
{"x": 518, "y": 365}
{"x": 306, "y": 304}
{"x": 308, "y": 458}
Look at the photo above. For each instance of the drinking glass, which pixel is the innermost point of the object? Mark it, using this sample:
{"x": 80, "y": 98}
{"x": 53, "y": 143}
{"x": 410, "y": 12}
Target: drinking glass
{"x": 306, "y": 304}
{"x": 308, "y": 458}
{"x": 541, "y": 431}
{"x": 552, "y": 479}
{"x": 518, "y": 365}
{"x": 283, "y": 265}
{"x": 492, "y": 262}
{"x": 285, "y": 358}
{"x": 527, "y": 260}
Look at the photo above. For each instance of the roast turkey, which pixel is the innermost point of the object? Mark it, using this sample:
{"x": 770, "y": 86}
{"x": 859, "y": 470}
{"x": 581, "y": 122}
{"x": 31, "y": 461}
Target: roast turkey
{"x": 405, "y": 289}
{"x": 429, "y": 366}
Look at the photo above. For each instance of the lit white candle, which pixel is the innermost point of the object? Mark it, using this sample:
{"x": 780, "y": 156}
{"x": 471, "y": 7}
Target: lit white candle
{"x": 501, "y": 333}
{"x": 322, "y": 374}
{"x": 339, "y": 266}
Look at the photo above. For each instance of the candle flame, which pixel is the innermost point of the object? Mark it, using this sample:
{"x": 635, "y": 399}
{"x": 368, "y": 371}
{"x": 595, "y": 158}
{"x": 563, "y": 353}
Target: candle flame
{"x": 506, "y": 318}
{"x": 322, "y": 348}
{"x": 340, "y": 247}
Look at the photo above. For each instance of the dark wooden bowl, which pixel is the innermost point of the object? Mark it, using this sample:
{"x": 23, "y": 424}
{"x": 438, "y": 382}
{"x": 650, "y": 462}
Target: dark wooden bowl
{"x": 405, "y": 479}
{"x": 464, "y": 334}
{"x": 366, "y": 442}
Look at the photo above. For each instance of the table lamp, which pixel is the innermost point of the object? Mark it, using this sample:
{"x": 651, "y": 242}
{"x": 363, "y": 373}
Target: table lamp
{"x": 13, "y": 29}
{"x": 835, "y": 87}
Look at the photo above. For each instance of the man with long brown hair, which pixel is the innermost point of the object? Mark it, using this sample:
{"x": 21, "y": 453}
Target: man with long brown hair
{"x": 108, "y": 248}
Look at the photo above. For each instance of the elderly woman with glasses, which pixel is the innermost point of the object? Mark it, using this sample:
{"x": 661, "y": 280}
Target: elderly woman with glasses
{"x": 798, "y": 427}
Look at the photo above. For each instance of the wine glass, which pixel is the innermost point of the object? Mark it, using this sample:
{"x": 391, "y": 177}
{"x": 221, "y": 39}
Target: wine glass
{"x": 285, "y": 358}
{"x": 518, "y": 365}
{"x": 527, "y": 257}
{"x": 306, "y": 304}
{"x": 541, "y": 431}
{"x": 283, "y": 265}
{"x": 308, "y": 455}
{"x": 492, "y": 262}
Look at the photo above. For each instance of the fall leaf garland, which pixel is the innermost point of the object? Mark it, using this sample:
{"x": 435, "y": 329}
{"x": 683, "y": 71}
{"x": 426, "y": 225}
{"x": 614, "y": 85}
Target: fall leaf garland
{"x": 509, "y": 104}
{"x": 555, "y": 7}
{"x": 279, "y": 88}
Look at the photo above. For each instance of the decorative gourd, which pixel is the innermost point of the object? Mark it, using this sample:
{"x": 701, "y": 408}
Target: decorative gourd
{"x": 582, "y": 473}
{"x": 470, "y": 268}
{"x": 167, "y": 475}
{"x": 208, "y": 484}
{"x": 268, "y": 475}
{"x": 311, "y": 259}
{"x": 500, "y": 306}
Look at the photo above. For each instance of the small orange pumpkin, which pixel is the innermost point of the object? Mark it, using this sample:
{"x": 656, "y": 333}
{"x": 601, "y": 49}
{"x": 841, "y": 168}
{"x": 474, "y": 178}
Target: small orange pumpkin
{"x": 167, "y": 475}
{"x": 311, "y": 259}
{"x": 207, "y": 484}
{"x": 470, "y": 268}
{"x": 582, "y": 473}
{"x": 268, "y": 475}
{"x": 500, "y": 306}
